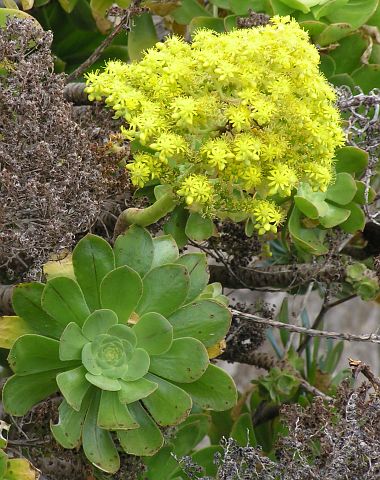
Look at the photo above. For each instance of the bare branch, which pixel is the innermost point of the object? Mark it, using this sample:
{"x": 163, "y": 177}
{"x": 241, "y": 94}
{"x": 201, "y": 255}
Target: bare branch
{"x": 6, "y": 292}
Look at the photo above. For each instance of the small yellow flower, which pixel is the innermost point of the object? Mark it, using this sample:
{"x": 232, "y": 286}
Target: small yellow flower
{"x": 267, "y": 216}
{"x": 196, "y": 189}
{"x": 282, "y": 179}
{"x": 169, "y": 145}
{"x": 217, "y": 152}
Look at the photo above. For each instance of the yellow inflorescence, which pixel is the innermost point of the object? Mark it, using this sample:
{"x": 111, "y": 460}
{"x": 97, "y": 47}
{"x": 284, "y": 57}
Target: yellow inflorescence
{"x": 233, "y": 122}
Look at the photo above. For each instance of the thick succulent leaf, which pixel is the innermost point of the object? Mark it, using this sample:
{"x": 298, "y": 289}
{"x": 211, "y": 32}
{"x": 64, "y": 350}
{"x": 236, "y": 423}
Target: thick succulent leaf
{"x": 206, "y": 320}
{"x": 199, "y": 228}
{"x": 26, "y": 302}
{"x": 243, "y": 431}
{"x": 334, "y": 216}
{"x": 11, "y": 328}
{"x": 215, "y": 390}
{"x": 306, "y": 239}
{"x": 121, "y": 291}
{"x": 114, "y": 415}
{"x": 88, "y": 360}
{"x": 20, "y": 394}
{"x": 169, "y": 404}
{"x": 98, "y": 445}
{"x": 185, "y": 361}
{"x": 135, "y": 249}
{"x": 356, "y": 220}
{"x": 34, "y": 354}
{"x": 154, "y": 333}
{"x": 138, "y": 365}
{"x": 143, "y": 441}
{"x": 73, "y": 386}
{"x": 93, "y": 258}
{"x": 99, "y": 322}
{"x": 165, "y": 289}
{"x": 351, "y": 160}
{"x": 343, "y": 190}
{"x": 176, "y": 224}
{"x": 162, "y": 465}
{"x": 196, "y": 264}
{"x": 68, "y": 430}
{"x": 104, "y": 383}
{"x": 63, "y": 299}
{"x": 71, "y": 343}
{"x": 132, "y": 391}
{"x": 21, "y": 469}
{"x": 123, "y": 332}
{"x": 190, "y": 433}
{"x": 3, "y": 463}
{"x": 165, "y": 250}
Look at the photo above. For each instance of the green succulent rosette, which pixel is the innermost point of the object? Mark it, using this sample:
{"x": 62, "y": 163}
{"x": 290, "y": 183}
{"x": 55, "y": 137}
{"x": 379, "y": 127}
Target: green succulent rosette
{"x": 124, "y": 338}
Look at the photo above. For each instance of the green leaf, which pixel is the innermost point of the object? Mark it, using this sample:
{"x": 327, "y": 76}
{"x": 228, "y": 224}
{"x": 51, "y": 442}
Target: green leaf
{"x": 135, "y": 249}
{"x": 187, "y": 11}
{"x": 169, "y": 404}
{"x": 121, "y": 291}
{"x": 205, "y": 320}
{"x": 325, "y": 8}
{"x": 312, "y": 204}
{"x": 165, "y": 250}
{"x": 11, "y": 12}
{"x": 185, "y": 361}
{"x": 26, "y": 302}
{"x": 230, "y": 22}
{"x": 132, "y": 391}
{"x": 143, "y": 441}
{"x": 347, "y": 55}
{"x": 351, "y": 160}
{"x": 93, "y": 258}
{"x": 333, "y": 33}
{"x": 313, "y": 28}
{"x": 355, "y": 12}
{"x": 205, "y": 458}
{"x": 342, "y": 79}
{"x": 356, "y": 221}
{"x": 165, "y": 288}
{"x": 88, "y": 360}
{"x": 215, "y": 390}
{"x": 343, "y": 190}
{"x": 196, "y": 264}
{"x": 154, "y": 333}
{"x": 113, "y": 415}
{"x": 367, "y": 77}
{"x": 327, "y": 65}
{"x": 358, "y": 198}
{"x": 68, "y": 5}
{"x": 34, "y": 354}
{"x": 176, "y": 224}
{"x": 142, "y": 36}
{"x": 242, "y": 431}
{"x": 190, "y": 433}
{"x": 211, "y": 23}
{"x": 99, "y": 322}
{"x": 71, "y": 343}
{"x": 124, "y": 332}
{"x": 303, "y": 6}
{"x": 11, "y": 328}
{"x": 306, "y": 239}
{"x": 162, "y": 465}
{"x": 20, "y": 469}
{"x": 20, "y": 394}
{"x": 103, "y": 382}
{"x": 334, "y": 216}
{"x": 74, "y": 386}
{"x": 68, "y": 430}
{"x": 242, "y": 7}
{"x": 199, "y": 228}
{"x": 138, "y": 365}
{"x": 63, "y": 299}
{"x": 98, "y": 445}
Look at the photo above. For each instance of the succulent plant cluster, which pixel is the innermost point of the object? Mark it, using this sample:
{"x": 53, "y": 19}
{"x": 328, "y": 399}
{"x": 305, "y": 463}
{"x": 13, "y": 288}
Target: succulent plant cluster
{"x": 124, "y": 338}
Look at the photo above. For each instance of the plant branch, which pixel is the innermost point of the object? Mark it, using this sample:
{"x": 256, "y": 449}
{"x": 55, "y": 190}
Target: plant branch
{"x": 348, "y": 337}
{"x": 6, "y": 292}
{"x": 358, "y": 366}
{"x": 134, "y": 9}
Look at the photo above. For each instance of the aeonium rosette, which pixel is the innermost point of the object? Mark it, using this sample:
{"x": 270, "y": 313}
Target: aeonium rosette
{"x": 124, "y": 338}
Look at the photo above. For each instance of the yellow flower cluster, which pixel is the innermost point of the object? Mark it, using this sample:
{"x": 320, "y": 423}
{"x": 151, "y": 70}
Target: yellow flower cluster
{"x": 229, "y": 118}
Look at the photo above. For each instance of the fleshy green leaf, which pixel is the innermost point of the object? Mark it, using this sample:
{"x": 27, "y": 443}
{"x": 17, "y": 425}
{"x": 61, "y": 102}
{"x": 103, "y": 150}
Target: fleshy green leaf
{"x": 34, "y": 354}
{"x": 196, "y": 264}
{"x": 88, "y": 360}
{"x": 20, "y": 394}
{"x": 351, "y": 160}
{"x": 142, "y": 36}
{"x": 211, "y": 23}
{"x": 305, "y": 238}
{"x": 165, "y": 288}
{"x": 190, "y": 433}
{"x": 215, "y": 390}
{"x": 20, "y": 469}
{"x": 356, "y": 220}
{"x": 99, "y": 322}
{"x": 367, "y": 77}
{"x": 343, "y": 190}
{"x": 187, "y": 11}
{"x": 114, "y": 415}
{"x": 71, "y": 343}
{"x": 132, "y": 391}
{"x": 74, "y": 386}
{"x": 104, "y": 383}
{"x": 63, "y": 299}
{"x": 355, "y": 12}
{"x": 199, "y": 228}
{"x": 169, "y": 404}
{"x": 243, "y": 432}
{"x": 93, "y": 258}
{"x": 165, "y": 250}
{"x": 27, "y": 305}
{"x": 98, "y": 445}
{"x": 312, "y": 204}
{"x": 68, "y": 430}
{"x": 138, "y": 365}
{"x": 123, "y": 332}
{"x": 135, "y": 249}
{"x": 359, "y": 196}
{"x": 206, "y": 320}
{"x": 176, "y": 224}
{"x": 334, "y": 216}
{"x": 121, "y": 291}
{"x": 143, "y": 441}
{"x": 11, "y": 328}
{"x": 154, "y": 333}
{"x": 185, "y": 361}
{"x": 333, "y": 32}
